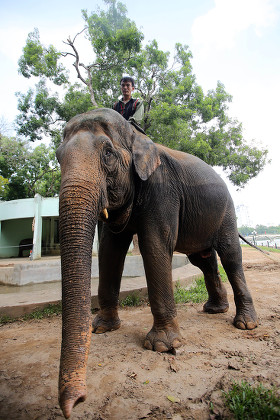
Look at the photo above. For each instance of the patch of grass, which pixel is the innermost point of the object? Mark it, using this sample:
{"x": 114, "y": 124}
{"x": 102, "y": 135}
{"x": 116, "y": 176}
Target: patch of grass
{"x": 197, "y": 293}
{"x": 269, "y": 249}
{"x": 264, "y": 248}
{"x": 5, "y": 319}
{"x": 247, "y": 402}
{"x": 131, "y": 300}
{"x": 223, "y": 274}
{"x": 48, "y": 311}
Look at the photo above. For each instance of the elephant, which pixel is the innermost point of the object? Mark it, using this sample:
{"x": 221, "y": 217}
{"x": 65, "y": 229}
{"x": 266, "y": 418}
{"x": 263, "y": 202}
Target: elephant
{"x": 113, "y": 174}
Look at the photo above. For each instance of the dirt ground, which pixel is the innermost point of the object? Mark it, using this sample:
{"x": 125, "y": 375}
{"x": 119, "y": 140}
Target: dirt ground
{"x": 127, "y": 382}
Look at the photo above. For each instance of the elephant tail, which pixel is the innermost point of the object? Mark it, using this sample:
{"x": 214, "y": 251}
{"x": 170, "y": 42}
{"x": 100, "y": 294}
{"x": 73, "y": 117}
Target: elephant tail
{"x": 254, "y": 246}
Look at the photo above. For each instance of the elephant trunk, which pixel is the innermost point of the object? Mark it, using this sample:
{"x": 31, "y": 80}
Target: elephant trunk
{"x": 78, "y": 216}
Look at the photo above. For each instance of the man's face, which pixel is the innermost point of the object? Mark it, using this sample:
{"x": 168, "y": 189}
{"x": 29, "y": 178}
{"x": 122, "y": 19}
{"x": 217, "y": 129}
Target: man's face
{"x": 127, "y": 89}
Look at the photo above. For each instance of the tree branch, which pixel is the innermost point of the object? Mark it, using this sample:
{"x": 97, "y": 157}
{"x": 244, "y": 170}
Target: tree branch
{"x": 77, "y": 64}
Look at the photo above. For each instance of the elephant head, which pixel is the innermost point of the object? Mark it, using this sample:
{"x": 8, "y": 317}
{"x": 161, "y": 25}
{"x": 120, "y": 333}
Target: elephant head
{"x": 100, "y": 156}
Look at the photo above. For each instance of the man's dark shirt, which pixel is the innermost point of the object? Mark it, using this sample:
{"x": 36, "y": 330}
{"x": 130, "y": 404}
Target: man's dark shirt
{"x": 126, "y": 110}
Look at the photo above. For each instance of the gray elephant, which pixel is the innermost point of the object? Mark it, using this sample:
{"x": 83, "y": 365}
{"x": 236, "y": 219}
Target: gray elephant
{"x": 172, "y": 200}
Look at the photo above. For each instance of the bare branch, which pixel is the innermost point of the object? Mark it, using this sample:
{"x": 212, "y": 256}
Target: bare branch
{"x": 64, "y": 54}
{"x": 77, "y": 64}
{"x": 79, "y": 33}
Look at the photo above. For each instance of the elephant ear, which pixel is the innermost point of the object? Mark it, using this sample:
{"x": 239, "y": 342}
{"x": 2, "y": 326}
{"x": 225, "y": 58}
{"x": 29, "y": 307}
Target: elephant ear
{"x": 145, "y": 155}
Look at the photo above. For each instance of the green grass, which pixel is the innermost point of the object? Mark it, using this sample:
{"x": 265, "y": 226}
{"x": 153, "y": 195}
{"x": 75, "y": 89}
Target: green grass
{"x": 132, "y": 299}
{"x": 264, "y": 248}
{"x": 48, "y": 311}
{"x": 247, "y": 402}
{"x": 269, "y": 249}
{"x": 197, "y": 293}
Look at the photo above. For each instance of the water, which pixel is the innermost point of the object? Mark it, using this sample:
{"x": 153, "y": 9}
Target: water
{"x": 269, "y": 243}
{"x": 265, "y": 241}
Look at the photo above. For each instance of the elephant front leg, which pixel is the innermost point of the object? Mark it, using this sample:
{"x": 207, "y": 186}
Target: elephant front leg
{"x": 112, "y": 252}
{"x": 164, "y": 335}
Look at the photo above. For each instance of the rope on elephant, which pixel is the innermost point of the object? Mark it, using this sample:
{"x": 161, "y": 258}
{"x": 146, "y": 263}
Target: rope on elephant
{"x": 254, "y": 246}
{"x": 261, "y": 250}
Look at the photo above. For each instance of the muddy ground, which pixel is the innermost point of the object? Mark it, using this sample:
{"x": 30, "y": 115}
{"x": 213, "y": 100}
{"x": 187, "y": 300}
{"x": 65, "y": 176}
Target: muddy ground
{"x": 125, "y": 381}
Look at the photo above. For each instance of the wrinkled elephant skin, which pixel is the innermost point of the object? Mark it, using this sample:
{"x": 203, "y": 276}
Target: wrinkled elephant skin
{"x": 174, "y": 202}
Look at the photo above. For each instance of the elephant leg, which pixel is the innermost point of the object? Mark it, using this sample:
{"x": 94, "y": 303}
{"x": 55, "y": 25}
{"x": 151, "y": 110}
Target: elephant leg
{"x": 112, "y": 252}
{"x": 165, "y": 334}
{"x": 231, "y": 259}
{"x": 217, "y": 295}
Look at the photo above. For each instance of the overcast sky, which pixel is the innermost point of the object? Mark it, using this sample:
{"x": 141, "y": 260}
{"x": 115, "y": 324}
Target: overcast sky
{"x": 234, "y": 41}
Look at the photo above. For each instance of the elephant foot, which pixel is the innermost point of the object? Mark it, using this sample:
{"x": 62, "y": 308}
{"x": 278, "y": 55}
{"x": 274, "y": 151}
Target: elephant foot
{"x": 102, "y": 324}
{"x": 246, "y": 319}
{"x": 215, "y": 308}
{"x": 165, "y": 338}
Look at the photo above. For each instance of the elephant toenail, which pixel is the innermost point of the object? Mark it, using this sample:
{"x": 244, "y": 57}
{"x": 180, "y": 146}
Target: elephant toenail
{"x": 160, "y": 347}
{"x": 148, "y": 345}
{"x": 176, "y": 343}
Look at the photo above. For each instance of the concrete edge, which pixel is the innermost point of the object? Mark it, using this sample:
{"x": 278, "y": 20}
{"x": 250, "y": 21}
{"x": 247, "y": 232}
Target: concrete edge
{"x": 17, "y": 311}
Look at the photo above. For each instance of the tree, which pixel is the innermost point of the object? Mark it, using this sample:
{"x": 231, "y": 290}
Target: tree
{"x": 25, "y": 171}
{"x": 177, "y": 112}
{"x": 179, "y": 115}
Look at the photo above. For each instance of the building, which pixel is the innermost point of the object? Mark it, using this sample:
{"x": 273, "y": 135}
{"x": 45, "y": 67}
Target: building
{"x": 16, "y": 219}
{"x": 16, "y": 234}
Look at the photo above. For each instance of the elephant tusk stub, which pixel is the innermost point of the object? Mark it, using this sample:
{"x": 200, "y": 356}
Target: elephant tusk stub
{"x": 104, "y": 213}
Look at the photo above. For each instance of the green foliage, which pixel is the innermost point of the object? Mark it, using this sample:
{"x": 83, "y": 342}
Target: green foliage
{"x": 5, "y": 319}
{"x": 178, "y": 113}
{"x": 267, "y": 229}
{"x": 38, "y": 112}
{"x": 38, "y": 60}
{"x": 269, "y": 249}
{"x": 197, "y": 293}
{"x": 113, "y": 36}
{"x": 223, "y": 274}
{"x": 48, "y": 311}
{"x": 114, "y": 39}
{"x": 27, "y": 171}
{"x": 76, "y": 101}
{"x": 247, "y": 402}
{"x": 3, "y": 186}
{"x": 131, "y": 300}
{"x": 181, "y": 116}
{"x": 260, "y": 229}
{"x": 245, "y": 230}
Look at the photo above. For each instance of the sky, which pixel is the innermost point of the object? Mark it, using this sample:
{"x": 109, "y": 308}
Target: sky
{"x": 236, "y": 42}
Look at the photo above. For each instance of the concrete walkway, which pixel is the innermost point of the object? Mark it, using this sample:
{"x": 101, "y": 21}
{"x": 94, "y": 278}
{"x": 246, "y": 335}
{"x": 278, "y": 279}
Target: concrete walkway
{"x": 16, "y": 301}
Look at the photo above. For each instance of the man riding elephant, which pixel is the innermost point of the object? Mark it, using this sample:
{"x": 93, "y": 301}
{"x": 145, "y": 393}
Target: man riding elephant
{"x": 131, "y": 109}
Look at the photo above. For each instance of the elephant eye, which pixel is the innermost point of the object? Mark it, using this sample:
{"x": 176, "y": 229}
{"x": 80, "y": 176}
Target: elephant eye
{"x": 108, "y": 157}
{"x": 108, "y": 152}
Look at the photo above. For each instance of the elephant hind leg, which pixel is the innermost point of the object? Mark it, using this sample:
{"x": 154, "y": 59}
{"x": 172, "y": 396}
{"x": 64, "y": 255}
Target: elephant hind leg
{"x": 231, "y": 259}
{"x": 107, "y": 320}
{"x": 217, "y": 295}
